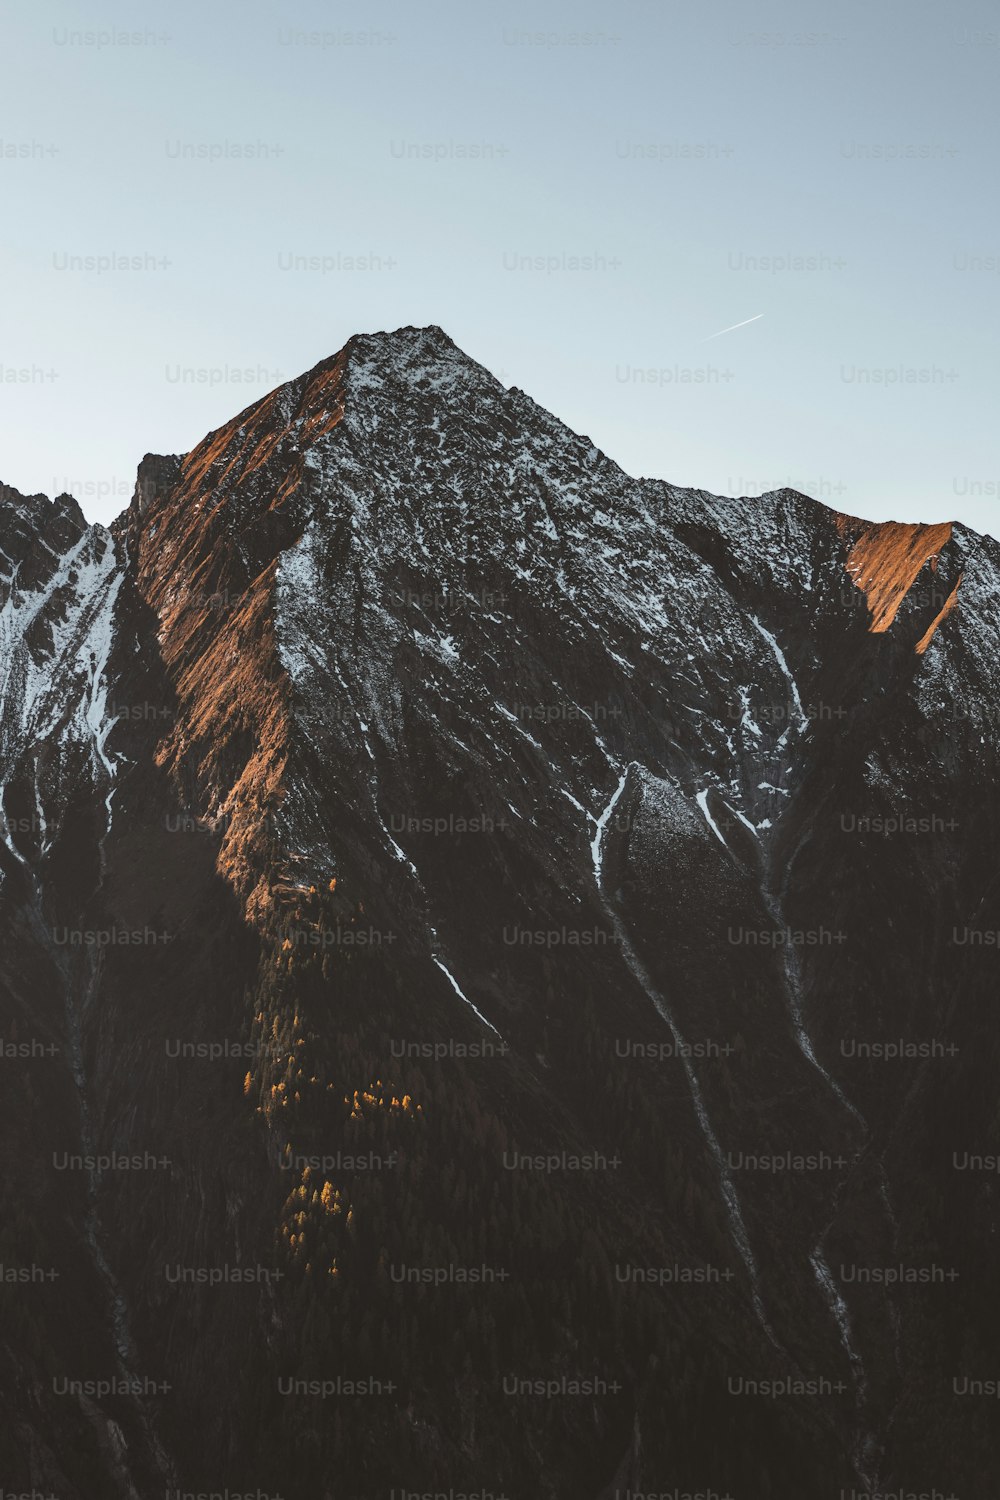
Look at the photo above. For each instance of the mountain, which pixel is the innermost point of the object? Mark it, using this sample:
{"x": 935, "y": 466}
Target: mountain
{"x": 498, "y": 967}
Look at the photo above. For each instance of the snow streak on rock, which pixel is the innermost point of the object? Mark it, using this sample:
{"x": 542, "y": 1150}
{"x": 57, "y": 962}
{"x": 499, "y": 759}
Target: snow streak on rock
{"x": 55, "y": 642}
{"x": 730, "y": 1197}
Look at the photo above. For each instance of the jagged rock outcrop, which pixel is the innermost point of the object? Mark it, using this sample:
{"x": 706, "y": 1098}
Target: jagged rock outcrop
{"x": 156, "y": 475}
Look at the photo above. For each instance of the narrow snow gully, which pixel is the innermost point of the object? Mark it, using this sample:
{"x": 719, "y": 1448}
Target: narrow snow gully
{"x": 730, "y": 1197}
{"x": 774, "y": 889}
{"x": 98, "y": 722}
{"x": 702, "y": 801}
{"x": 868, "y": 1447}
{"x": 432, "y": 935}
{"x": 792, "y": 971}
{"x": 779, "y": 657}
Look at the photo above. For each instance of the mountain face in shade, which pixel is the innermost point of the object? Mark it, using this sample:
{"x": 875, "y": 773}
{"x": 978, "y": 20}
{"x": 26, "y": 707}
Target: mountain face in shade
{"x": 498, "y": 970}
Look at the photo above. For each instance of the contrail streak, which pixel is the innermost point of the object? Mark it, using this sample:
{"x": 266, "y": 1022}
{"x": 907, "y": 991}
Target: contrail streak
{"x": 732, "y": 326}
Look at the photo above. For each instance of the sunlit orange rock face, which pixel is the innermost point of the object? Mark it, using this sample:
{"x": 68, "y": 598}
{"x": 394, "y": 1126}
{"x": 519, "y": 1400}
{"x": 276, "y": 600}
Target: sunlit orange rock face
{"x": 946, "y": 609}
{"x": 207, "y": 557}
{"x": 884, "y": 561}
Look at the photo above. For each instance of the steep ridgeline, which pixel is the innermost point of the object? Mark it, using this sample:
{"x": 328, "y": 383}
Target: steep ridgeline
{"x": 497, "y": 967}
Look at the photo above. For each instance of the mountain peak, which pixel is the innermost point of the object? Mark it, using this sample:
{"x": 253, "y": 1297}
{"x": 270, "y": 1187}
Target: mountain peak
{"x": 409, "y": 334}
{"x": 453, "y": 802}
{"x": 34, "y": 532}
{"x": 426, "y": 356}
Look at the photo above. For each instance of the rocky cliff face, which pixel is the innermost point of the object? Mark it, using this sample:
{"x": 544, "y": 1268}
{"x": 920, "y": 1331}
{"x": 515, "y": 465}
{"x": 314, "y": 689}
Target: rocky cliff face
{"x": 498, "y": 969}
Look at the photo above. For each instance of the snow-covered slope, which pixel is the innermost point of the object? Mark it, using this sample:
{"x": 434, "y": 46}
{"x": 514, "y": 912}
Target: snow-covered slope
{"x": 56, "y": 627}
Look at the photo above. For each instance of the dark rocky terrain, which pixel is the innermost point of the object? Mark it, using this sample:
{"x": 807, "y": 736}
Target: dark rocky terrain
{"x": 522, "y": 945}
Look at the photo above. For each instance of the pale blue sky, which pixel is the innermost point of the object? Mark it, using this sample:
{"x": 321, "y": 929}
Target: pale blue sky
{"x": 676, "y": 148}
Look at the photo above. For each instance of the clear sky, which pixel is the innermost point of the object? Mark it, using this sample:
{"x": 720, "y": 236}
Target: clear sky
{"x": 580, "y": 195}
